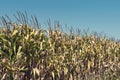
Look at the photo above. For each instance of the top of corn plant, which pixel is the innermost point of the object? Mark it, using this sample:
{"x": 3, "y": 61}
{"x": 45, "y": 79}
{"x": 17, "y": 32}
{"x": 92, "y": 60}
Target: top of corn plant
{"x": 29, "y": 52}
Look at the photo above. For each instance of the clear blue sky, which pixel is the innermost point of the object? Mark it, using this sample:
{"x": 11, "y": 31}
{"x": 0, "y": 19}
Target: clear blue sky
{"x": 97, "y": 15}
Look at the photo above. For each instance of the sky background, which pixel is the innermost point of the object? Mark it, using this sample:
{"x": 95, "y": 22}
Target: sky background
{"x": 97, "y": 15}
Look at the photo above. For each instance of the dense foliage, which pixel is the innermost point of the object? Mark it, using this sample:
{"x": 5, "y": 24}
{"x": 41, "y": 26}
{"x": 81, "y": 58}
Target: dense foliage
{"x": 28, "y": 53}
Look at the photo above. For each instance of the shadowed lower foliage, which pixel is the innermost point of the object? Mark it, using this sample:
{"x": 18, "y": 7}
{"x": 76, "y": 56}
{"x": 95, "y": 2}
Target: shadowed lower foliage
{"x": 30, "y": 53}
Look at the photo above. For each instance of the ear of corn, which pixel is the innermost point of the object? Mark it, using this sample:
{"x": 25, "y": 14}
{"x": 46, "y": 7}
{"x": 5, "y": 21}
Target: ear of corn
{"x": 28, "y": 53}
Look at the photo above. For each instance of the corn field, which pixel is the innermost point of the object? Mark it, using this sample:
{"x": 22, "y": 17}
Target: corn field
{"x": 28, "y": 52}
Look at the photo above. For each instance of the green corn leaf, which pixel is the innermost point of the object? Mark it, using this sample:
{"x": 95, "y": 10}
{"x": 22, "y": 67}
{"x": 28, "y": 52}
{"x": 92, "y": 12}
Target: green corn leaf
{"x": 2, "y": 35}
{"x": 8, "y": 67}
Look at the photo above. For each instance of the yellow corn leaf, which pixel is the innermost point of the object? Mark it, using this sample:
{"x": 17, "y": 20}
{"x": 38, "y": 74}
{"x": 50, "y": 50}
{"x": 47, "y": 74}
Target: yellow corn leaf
{"x": 19, "y": 51}
{"x": 41, "y": 45}
{"x": 35, "y": 71}
{"x": 65, "y": 71}
{"x": 14, "y": 32}
{"x": 32, "y": 33}
{"x": 71, "y": 77}
{"x": 27, "y": 37}
{"x": 89, "y": 63}
{"x": 42, "y": 34}
{"x": 92, "y": 63}
{"x": 36, "y": 32}
{"x": 53, "y": 75}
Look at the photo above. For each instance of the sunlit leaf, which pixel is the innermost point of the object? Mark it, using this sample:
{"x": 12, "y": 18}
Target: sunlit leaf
{"x": 53, "y": 75}
{"x": 14, "y": 32}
